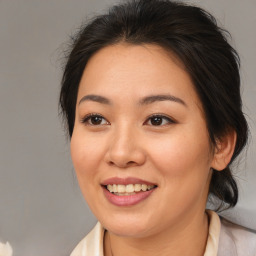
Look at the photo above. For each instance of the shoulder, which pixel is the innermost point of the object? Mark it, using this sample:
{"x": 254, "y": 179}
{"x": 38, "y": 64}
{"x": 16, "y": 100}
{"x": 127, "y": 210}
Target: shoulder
{"x": 236, "y": 240}
{"x": 92, "y": 244}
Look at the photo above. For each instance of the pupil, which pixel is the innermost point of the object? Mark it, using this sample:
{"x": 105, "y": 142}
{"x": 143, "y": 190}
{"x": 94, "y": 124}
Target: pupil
{"x": 96, "y": 120}
{"x": 156, "y": 121}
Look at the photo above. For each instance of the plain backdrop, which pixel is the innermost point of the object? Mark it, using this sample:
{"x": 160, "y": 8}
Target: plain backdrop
{"x": 42, "y": 212}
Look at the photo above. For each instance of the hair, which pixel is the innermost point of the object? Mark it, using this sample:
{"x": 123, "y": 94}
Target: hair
{"x": 190, "y": 33}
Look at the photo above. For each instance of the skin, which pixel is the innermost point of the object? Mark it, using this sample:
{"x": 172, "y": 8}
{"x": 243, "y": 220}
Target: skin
{"x": 176, "y": 155}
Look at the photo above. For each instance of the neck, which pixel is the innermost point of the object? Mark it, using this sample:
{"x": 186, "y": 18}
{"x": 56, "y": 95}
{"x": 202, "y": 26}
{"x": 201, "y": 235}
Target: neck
{"x": 173, "y": 241}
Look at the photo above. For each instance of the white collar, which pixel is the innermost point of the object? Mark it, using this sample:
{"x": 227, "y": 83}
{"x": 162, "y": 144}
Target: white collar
{"x": 224, "y": 239}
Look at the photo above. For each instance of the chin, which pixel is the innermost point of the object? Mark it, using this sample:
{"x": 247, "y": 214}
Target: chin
{"x": 127, "y": 226}
{"x": 129, "y": 231}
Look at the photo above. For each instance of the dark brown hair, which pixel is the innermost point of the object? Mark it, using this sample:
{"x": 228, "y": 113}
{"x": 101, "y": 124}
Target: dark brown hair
{"x": 193, "y": 35}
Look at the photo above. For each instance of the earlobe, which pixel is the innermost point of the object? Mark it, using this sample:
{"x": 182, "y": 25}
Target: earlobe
{"x": 224, "y": 150}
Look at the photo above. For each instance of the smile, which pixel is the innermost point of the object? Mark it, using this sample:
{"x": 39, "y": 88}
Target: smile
{"x": 130, "y": 189}
{"x": 127, "y": 191}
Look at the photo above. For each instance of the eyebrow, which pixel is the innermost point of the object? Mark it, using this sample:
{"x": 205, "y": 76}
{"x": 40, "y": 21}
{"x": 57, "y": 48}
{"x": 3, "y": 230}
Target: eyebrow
{"x": 162, "y": 97}
{"x": 144, "y": 101}
{"x": 95, "y": 98}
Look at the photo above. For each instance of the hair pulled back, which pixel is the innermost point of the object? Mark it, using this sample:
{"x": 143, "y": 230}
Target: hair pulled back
{"x": 192, "y": 34}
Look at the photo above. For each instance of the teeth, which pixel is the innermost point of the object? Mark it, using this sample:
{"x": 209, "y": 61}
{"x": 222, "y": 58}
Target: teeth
{"x": 137, "y": 187}
{"x": 144, "y": 187}
{"x": 121, "y": 188}
{"x": 124, "y": 194}
{"x": 128, "y": 189}
{"x": 110, "y": 188}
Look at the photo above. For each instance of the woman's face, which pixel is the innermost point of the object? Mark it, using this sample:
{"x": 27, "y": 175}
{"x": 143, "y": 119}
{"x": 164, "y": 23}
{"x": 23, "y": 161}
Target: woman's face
{"x": 139, "y": 121}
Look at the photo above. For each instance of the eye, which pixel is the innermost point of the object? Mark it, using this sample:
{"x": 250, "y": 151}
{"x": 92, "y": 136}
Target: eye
{"x": 94, "y": 119}
{"x": 159, "y": 120}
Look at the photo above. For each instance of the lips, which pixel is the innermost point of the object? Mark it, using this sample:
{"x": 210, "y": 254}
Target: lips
{"x": 125, "y": 181}
{"x": 127, "y": 191}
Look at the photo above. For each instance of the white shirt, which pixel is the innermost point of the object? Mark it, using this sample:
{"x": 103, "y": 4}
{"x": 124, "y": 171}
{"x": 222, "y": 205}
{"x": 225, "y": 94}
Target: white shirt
{"x": 224, "y": 239}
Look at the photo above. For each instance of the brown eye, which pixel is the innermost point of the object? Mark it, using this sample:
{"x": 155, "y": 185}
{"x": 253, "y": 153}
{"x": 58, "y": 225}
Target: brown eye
{"x": 159, "y": 120}
{"x": 156, "y": 120}
{"x": 94, "y": 119}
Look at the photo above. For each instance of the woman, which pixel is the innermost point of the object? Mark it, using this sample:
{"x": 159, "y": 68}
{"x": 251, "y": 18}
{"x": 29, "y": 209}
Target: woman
{"x": 151, "y": 96}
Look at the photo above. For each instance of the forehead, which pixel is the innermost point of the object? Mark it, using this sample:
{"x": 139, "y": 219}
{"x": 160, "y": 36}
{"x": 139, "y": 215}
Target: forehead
{"x": 133, "y": 71}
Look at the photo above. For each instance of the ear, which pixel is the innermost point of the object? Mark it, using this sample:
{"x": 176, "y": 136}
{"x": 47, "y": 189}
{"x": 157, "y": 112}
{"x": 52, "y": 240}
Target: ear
{"x": 224, "y": 150}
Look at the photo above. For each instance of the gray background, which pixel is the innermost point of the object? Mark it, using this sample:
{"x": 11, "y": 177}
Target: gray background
{"x": 42, "y": 212}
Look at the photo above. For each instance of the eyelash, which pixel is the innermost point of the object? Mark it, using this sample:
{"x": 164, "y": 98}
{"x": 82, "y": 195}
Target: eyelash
{"x": 163, "y": 117}
{"x": 85, "y": 120}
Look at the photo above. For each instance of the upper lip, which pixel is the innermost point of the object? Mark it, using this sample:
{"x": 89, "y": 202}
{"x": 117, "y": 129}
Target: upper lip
{"x": 125, "y": 181}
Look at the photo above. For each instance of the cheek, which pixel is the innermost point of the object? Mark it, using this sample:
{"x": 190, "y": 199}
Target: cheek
{"x": 86, "y": 149}
{"x": 183, "y": 162}
{"x": 180, "y": 153}
{"x": 86, "y": 156}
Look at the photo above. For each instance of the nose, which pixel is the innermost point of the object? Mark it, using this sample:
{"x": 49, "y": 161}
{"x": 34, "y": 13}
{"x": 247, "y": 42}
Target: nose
{"x": 125, "y": 149}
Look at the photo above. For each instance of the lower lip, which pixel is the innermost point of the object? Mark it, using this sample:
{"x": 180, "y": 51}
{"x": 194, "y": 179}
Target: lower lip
{"x": 127, "y": 200}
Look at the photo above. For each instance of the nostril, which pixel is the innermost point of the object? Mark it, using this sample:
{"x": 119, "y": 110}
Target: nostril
{"x": 111, "y": 163}
{"x": 131, "y": 163}
{"x": 122, "y": 165}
